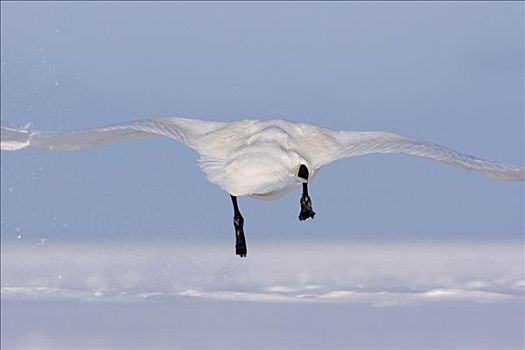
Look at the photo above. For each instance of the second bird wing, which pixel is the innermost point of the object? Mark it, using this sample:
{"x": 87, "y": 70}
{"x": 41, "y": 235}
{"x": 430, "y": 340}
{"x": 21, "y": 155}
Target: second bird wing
{"x": 350, "y": 144}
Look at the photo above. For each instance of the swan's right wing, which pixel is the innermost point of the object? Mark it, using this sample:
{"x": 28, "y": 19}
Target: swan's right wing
{"x": 343, "y": 144}
{"x": 187, "y": 131}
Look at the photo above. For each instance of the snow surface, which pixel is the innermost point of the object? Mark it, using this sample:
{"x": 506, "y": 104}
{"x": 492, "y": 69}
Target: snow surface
{"x": 180, "y": 294}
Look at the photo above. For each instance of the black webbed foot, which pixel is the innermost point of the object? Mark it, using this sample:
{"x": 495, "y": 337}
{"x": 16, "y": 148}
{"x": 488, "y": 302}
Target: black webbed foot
{"x": 238, "y": 223}
{"x": 240, "y": 250}
{"x": 306, "y": 208}
{"x": 306, "y": 202}
{"x": 240, "y": 240}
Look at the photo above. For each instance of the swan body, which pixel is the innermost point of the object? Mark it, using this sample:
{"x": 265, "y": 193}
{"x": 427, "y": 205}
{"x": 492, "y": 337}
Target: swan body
{"x": 259, "y": 158}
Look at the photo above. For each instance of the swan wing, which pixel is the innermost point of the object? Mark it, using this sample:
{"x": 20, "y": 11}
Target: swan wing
{"x": 187, "y": 131}
{"x": 342, "y": 144}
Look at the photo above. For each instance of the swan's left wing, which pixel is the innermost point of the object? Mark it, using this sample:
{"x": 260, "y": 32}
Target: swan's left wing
{"x": 187, "y": 131}
{"x": 342, "y": 144}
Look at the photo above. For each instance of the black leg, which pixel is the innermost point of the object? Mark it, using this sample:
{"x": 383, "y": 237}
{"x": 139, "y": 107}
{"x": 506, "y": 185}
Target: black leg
{"x": 238, "y": 222}
{"x": 306, "y": 202}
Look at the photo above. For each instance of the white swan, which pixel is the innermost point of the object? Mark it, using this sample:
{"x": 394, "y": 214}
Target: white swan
{"x": 260, "y": 158}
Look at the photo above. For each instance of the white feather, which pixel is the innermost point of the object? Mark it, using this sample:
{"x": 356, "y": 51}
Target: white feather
{"x": 260, "y": 158}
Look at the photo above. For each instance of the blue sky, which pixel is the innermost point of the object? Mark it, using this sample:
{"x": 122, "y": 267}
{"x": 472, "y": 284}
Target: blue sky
{"x": 450, "y": 73}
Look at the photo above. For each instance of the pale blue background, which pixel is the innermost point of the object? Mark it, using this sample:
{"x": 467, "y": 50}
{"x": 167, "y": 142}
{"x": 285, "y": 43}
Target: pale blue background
{"x": 451, "y": 73}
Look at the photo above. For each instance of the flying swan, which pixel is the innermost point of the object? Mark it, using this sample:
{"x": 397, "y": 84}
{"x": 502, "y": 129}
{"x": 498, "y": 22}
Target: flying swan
{"x": 258, "y": 158}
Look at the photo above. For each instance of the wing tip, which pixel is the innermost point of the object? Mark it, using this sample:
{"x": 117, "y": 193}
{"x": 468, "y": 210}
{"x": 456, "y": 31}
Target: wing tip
{"x": 515, "y": 174}
{"x": 14, "y": 138}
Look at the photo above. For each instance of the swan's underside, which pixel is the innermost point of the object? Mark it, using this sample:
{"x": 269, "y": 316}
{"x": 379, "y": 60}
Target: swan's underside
{"x": 260, "y": 158}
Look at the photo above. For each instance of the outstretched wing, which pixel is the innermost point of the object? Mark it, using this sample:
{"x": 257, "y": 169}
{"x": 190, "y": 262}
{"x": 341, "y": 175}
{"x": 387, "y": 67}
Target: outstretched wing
{"x": 187, "y": 131}
{"x": 344, "y": 144}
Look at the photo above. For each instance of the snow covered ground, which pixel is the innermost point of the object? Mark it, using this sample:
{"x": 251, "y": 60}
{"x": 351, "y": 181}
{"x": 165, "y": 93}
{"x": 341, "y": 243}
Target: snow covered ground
{"x": 340, "y": 294}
